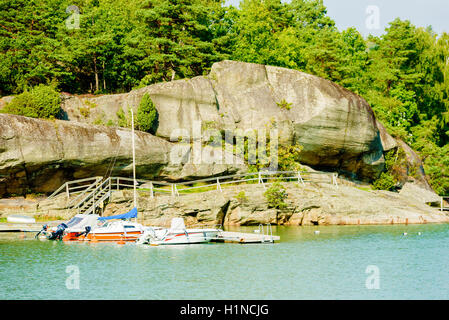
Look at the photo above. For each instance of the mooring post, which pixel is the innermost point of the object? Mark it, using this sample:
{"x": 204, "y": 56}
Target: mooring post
{"x": 218, "y": 185}
{"x": 67, "y": 190}
{"x": 442, "y": 204}
{"x": 261, "y": 180}
{"x": 334, "y": 179}
{"x": 151, "y": 190}
{"x": 300, "y": 179}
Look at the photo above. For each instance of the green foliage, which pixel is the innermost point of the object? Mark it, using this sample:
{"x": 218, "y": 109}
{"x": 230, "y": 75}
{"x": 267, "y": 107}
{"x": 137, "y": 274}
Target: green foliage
{"x": 288, "y": 158}
{"x": 147, "y": 115}
{"x": 39, "y": 102}
{"x": 394, "y": 160}
{"x": 122, "y": 119}
{"x": 385, "y": 182}
{"x": 85, "y": 112}
{"x": 276, "y": 195}
{"x": 283, "y": 104}
{"x": 241, "y": 197}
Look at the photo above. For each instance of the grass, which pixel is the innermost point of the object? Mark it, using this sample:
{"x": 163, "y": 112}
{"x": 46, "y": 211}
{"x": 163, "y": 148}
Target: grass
{"x": 45, "y": 217}
{"x": 369, "y": 189}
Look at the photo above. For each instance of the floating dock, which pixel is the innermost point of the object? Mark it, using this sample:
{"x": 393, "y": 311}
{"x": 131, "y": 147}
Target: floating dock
{"x": 240, "y": 237}
{"x": 25, "y": 227}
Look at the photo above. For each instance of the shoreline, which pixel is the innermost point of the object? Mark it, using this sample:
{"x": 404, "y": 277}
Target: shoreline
{"x": 6, "y": 227}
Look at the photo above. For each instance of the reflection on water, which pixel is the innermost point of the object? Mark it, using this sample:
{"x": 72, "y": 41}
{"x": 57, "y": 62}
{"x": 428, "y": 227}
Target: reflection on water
{"x": 304, "y": 265}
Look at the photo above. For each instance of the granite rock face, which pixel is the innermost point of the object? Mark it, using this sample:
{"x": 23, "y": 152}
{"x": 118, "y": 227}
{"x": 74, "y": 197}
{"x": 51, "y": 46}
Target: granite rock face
{"x": 312, "y": 204}
{"x": 336, "y": 127}
{"x": 39, "y": 156}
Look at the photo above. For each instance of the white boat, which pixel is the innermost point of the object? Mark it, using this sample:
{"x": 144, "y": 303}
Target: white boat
{"x": 177, "y": 234}
{"x": 20, "y": 219}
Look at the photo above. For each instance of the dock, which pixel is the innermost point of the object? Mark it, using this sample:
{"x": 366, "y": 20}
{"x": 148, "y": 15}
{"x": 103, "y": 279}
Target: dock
{"x": 241, "y": 237}
{"x": 22, "y": 227}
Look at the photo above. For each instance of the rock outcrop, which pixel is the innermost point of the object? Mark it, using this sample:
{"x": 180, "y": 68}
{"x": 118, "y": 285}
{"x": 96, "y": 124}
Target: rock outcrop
{"x": 39, "y": 156}
{"x": 336, "y": 127}
{"x": 312, "y": 204}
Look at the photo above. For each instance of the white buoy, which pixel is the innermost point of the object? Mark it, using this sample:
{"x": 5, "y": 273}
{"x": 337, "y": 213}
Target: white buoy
{"x": 317, "y": 232}
{"x": 405, "y": 233}
{"x": 419, "y": 233}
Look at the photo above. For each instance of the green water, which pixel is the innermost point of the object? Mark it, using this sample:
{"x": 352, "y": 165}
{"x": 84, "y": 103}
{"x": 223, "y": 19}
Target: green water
{"x": 304, "y": 265}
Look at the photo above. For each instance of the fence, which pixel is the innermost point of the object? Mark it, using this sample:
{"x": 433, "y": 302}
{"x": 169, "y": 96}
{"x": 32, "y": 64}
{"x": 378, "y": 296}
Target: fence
{"x": 77, "y": 191}
{"x": 443, "y": 203}
{"x": 218, "y": 183}
{"x": 76, "y": 186}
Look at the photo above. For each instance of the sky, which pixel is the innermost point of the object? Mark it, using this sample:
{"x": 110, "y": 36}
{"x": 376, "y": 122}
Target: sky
{"x": 373, "y": 16}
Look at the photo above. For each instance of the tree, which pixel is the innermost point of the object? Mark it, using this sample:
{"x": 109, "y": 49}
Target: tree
{"x": 173, "y": 39}
{"x": 147, "y": 115}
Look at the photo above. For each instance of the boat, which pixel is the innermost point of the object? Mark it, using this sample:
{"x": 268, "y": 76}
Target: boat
{"x": 120, "y": 229}
{"x": 78, "y": 225}
{"x": 177, "y": 234}
{"x": 94, "y": 228}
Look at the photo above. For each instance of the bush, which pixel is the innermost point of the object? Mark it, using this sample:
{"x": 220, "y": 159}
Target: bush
{"x": 122, "y": 120}
{"x": 147, "y": 115}
{"x": 385, "y": 182}
{"x": 275, "y": 195}
{"x": 42, "y": 101}
{"x": 241, "y": 197}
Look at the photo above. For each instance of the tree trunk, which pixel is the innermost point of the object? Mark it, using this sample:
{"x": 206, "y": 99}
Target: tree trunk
{"x": 104, "y": 79}
{"x": 96, "y": 74}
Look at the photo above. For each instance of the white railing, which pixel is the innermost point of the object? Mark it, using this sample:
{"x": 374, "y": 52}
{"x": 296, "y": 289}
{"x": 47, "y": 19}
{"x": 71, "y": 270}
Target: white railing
{"x": 264, "y": 178}
{"x": 75, "y": 186}
{"x": 88, "y": 193}
{"x": 444, "y": 206}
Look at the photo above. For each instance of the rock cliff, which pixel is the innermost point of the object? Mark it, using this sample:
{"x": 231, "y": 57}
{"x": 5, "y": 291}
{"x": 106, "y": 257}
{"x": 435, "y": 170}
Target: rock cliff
{"x": 337, "y": 129}
{"x": 39, "y": 155}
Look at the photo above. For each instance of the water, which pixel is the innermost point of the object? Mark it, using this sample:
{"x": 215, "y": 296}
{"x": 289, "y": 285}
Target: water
{"x": 304, "y": 265}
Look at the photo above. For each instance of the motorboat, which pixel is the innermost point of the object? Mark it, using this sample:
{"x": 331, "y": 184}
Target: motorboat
{"x": 177, "y": 234}
{"x": 95, "y": 228}
{"x": 72, "y": 228}
{"x": 120, "y": 229}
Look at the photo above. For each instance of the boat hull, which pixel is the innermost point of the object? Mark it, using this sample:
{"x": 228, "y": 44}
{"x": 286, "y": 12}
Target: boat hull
{"x": 188, "y": 237}
{"x": 103, "y": 236}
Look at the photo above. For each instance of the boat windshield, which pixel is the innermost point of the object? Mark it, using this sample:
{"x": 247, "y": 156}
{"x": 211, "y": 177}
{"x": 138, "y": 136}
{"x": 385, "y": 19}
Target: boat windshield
{"x": 102, "y": 223}
{"x": 74, "y": 221}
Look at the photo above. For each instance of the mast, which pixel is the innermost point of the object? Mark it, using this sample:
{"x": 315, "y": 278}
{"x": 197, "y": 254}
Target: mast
{"x": 134, "y": 159}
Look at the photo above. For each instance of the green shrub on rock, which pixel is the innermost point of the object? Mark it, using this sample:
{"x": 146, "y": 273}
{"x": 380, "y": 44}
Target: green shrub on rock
{"x": 275, "y": 195}
{"x": 147, "y": 115}
{"x": 42, "y": 101}
{"x": 385, "y": 182}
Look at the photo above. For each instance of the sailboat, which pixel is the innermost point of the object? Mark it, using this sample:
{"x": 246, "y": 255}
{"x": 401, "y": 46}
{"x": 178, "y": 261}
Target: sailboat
{"x": 118, "y": 228}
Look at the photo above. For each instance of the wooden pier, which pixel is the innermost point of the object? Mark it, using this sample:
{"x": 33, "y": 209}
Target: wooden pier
{"x": 240, "y": 237}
